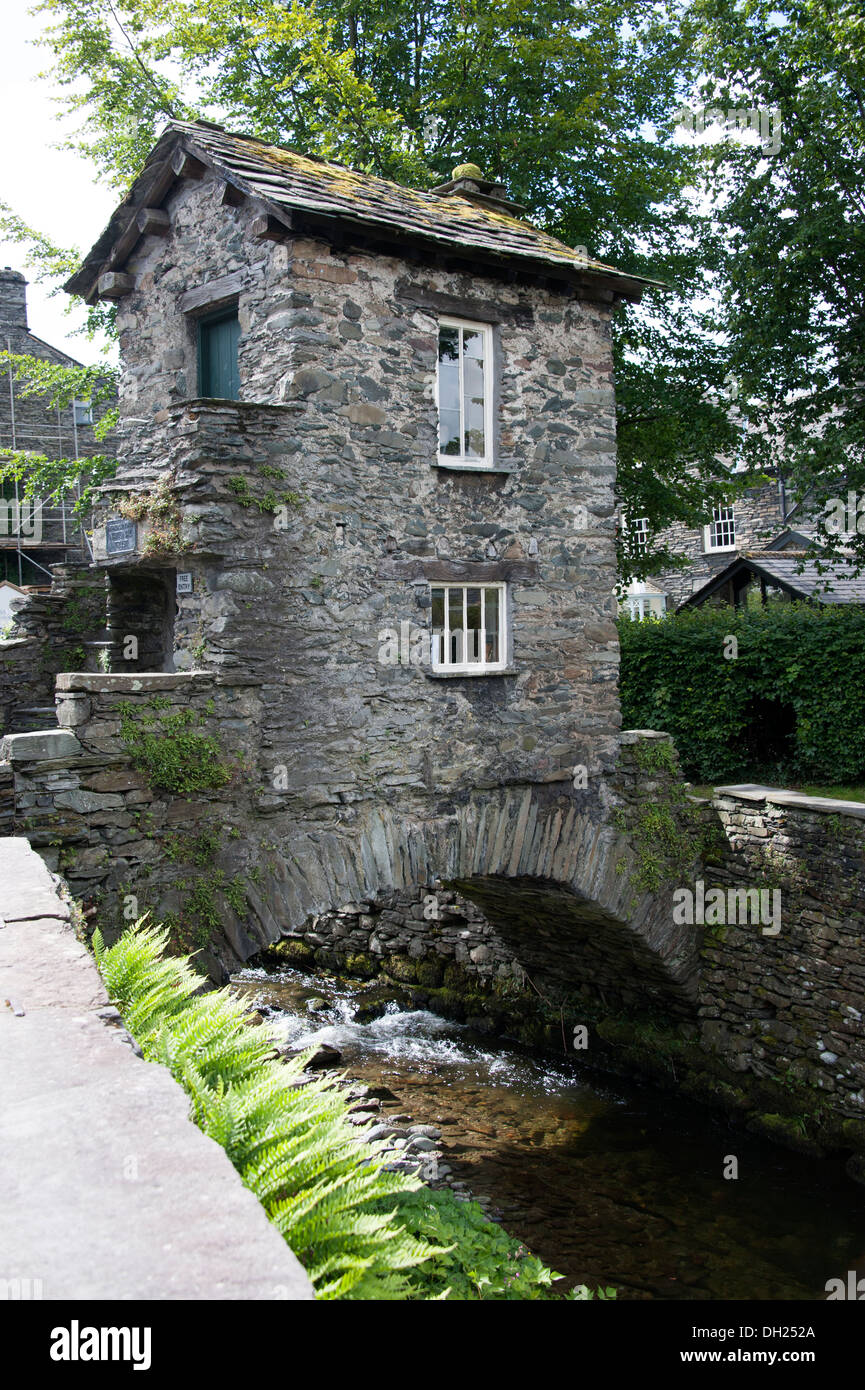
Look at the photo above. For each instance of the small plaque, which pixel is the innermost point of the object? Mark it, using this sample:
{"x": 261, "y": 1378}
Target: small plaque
{"x": 184, "y": 582}
{"x": 120, "y": 536}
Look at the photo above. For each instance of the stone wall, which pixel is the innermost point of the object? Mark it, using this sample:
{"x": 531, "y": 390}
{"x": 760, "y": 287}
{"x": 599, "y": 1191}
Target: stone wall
{"x": 53, "y": 632}
{"x": 521, "y": 910}
{"x": 135, "y": 810}
{"x": 791, "y": 1005}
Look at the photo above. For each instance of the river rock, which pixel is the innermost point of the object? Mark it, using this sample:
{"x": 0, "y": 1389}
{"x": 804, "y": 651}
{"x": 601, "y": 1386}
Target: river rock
{"x": 421, "y": 1143}
{"x": 425, "y": 1131}
{"x": 367, "y": 1107}
{"x": 324, "y": 1056}
{"x": 385, "y": 1131}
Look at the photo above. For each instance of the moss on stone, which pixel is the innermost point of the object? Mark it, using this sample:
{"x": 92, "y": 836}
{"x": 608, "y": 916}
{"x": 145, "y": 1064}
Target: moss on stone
{"x": 361, "y": 965}
{"x": 291, "y": 952}
{"x": 429, "y": 972}
{"x": 790, "y": 1130}
{"x": 401, "y": 968}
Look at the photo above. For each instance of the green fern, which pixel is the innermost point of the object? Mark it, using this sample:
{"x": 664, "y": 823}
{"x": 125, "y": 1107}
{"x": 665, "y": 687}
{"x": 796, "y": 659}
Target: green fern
{"x": 292, "y": 1145}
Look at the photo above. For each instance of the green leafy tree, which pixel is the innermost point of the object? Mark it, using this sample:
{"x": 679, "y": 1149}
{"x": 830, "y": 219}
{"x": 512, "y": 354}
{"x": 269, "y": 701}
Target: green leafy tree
{"x": 792, "y": 277}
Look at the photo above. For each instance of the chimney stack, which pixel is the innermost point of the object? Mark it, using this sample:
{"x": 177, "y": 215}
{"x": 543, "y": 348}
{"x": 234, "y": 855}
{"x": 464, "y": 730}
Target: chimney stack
{"x": 13, "y": 300}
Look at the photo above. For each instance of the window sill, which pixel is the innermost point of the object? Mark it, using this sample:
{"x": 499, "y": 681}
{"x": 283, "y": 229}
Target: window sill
{"x": 470, "y": 675}
{"x": 720, "y": 549}
{"x": 461, "y": 466}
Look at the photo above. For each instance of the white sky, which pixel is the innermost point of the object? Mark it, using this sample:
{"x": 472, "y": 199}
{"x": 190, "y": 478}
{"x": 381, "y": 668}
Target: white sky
{"x": 52, "y": 190}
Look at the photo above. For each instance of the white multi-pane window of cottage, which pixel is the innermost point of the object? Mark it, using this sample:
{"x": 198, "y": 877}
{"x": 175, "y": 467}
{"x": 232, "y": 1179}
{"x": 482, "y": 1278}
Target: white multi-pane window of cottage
{"x": 720, "y": 534}
{"x": 464, "y": 393}
{"x": 468, "y": 628}
{"x": 638, "y": 533}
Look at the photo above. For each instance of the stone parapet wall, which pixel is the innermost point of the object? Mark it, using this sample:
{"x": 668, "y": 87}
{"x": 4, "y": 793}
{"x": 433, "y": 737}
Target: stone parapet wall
{"x": 95, "y": 808}
{"x": 791, "y": 1005}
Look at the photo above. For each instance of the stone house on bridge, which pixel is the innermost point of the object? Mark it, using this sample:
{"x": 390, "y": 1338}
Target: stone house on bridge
{"x": 365, "y": 507}
{"x": 376, "y": 410}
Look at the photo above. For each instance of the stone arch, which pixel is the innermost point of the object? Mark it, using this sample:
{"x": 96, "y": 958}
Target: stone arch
{"x": 553, "y": 877}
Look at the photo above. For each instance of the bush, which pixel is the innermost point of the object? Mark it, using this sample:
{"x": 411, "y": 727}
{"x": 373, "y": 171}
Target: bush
{"x": 787, "y": 706}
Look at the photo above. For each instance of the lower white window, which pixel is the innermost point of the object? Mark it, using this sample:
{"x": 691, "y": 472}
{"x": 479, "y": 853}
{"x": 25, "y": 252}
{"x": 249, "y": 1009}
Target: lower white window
{"x": 720, "y": 534}
{"x": 468, "y": 628}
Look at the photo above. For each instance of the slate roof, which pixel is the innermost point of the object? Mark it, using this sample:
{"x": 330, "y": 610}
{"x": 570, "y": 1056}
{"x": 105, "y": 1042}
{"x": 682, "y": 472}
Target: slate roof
{"x": 800, "y": 577}
{"x": 283, "y": 181}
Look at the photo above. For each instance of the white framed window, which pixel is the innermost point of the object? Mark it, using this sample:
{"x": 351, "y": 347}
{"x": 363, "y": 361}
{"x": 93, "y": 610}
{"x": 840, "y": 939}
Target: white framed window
{"x": 636, "y": 532}
{"x": 464, "y": 393}
{"x": 83, "y": 412}
{"x": 468, "y": 628}
{"x": 720, "y": 534}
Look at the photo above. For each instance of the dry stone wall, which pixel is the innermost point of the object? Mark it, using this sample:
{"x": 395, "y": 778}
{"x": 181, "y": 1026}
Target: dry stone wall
{"x": 791, "y": 1004}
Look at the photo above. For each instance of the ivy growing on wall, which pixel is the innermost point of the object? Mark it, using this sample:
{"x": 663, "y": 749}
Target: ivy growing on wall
{"x": 168, "y": 748}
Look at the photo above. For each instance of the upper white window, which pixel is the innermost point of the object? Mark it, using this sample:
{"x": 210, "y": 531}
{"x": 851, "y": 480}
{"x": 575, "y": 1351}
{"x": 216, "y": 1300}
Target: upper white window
{"x": 636, "y": 532}
{"x": 464, "y": 393}
{"x": 468, "y": 628}
{"x": 721, "y": 533}
{"x": 83, "y": 412}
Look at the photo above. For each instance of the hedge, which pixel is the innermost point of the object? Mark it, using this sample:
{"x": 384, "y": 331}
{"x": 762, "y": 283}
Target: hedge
{"x": 789, "y": 705}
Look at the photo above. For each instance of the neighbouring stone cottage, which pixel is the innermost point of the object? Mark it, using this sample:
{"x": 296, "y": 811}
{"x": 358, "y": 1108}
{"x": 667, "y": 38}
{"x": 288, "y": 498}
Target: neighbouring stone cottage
{"x": 51, "y": 602}
{"x": 33, "y": 538}
{"x": 754, "y": 520}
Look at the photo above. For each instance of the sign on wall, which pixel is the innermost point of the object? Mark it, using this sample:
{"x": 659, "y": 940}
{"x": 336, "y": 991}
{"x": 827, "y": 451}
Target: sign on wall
{"x": 184, "y": 582}
{"x": 120, "y": 536}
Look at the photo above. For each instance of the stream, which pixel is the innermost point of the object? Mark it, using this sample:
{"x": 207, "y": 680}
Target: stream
{"x": 610, "y": 1182}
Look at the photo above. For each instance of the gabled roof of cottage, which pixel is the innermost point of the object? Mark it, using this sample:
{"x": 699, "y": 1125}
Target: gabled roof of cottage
{"x": 467, "y": 217}
{"x": 791, "y": 571}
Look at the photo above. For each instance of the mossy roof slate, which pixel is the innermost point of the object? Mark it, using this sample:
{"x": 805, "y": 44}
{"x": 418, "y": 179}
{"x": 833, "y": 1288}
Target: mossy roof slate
{"x": 284, "y": 181}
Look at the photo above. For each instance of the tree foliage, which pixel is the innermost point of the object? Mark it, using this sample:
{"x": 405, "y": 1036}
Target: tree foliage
{"x": 793, "y": 273}
{"x": 750, "y": 357}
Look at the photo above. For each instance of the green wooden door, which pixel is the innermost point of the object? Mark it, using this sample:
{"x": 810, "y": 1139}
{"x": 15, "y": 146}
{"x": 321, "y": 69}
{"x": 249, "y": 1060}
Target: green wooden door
{"x": 217, "y": 357}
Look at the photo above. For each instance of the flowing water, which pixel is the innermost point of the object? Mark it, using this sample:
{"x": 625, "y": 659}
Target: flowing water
{"x": 611, "y": 1183}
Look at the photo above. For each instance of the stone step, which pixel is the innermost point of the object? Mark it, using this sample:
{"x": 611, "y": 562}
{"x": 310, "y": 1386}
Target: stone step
{"x": 34, "y": 719}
